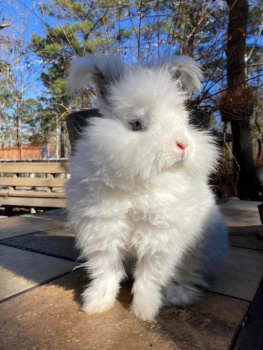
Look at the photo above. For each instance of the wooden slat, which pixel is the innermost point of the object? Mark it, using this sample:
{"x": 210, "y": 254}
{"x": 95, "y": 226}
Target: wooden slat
{"x": 37, "y": 168}
{"x": 31, "y": 194}
{"x": 32, "y": 182}
{"x": 33, "y": 202}
{"x": 33, "y": 198}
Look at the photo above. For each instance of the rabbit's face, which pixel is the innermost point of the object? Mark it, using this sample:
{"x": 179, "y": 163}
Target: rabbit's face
{"x": 146, "y": 124}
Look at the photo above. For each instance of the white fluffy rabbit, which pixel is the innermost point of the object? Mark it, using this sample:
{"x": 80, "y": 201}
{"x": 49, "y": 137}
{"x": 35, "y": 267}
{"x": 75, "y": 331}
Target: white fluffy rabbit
{"x": 139, "y": 187}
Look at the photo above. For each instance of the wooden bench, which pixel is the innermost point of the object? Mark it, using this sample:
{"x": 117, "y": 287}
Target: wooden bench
{"x": 33, "y": 184}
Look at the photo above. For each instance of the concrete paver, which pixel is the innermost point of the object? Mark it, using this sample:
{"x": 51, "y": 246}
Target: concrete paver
{"x": 58, "y": 242}
{"x": 17, "y": 226}
{"x": 21, "y": 270}
{"x": 50, "y": 317}
{"x": 242, "y": 274}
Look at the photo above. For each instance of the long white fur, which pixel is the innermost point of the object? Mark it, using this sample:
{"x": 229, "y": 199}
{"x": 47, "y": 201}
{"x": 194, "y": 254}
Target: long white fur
{"x": 82, "y": 68}
{"x": 188, "y": 71}
{"x": 137, "y": 195}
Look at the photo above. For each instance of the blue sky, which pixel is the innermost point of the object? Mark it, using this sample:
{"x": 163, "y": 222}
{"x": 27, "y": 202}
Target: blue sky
{"x": 24, "y": 17}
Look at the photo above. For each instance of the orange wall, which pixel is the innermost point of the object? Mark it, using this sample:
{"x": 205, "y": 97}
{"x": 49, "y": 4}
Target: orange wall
{"x": 21, "y": 153}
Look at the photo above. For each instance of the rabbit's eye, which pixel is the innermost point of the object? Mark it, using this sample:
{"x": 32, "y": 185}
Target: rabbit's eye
{"x": 136, "y": 125}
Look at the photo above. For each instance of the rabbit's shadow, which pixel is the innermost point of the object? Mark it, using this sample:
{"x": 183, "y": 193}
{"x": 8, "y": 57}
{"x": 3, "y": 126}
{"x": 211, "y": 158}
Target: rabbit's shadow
{"x": 79, "y": 281}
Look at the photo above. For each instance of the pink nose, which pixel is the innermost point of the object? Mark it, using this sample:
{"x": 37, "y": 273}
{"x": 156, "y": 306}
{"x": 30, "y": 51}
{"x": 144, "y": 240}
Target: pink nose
{"x": 182, "y": 145}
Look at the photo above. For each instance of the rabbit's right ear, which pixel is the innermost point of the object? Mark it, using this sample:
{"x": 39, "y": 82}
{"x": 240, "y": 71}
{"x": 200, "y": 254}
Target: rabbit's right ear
{"x": 101, "y": 70}
{"x": 188, "y": 71}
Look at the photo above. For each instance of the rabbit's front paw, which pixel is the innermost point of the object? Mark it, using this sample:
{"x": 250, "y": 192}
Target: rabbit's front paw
{"x": 96, "y": 303}
{"x": 97, "y": 306}
{"x": 144, "y": 310}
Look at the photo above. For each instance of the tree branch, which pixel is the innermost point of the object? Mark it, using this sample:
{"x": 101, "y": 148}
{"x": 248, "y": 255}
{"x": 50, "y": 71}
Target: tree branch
{"x": 4, "y": 25}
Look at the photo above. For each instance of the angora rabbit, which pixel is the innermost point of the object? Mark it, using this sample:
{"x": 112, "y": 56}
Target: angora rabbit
{"x": 139, "y": 187}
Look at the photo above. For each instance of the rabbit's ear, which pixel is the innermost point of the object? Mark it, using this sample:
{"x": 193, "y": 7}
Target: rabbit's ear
{"x": 101, "y": 70}
{"x": 188, "y": 71}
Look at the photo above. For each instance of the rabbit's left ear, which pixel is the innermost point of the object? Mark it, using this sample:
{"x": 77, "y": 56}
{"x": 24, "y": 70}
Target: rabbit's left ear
{"x": 101, "y": 70}
{"x": 188, "y": 71}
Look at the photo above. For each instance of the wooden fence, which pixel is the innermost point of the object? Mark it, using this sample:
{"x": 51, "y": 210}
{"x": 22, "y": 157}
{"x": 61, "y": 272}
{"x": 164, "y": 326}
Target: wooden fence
{"x": 21, "y": 153}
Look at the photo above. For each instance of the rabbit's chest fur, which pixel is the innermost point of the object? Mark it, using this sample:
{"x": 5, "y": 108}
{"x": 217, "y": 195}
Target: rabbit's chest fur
{"x": 168, "y": 210}
{"x": 169, "y": 216}
{"x": 170, "y": 200}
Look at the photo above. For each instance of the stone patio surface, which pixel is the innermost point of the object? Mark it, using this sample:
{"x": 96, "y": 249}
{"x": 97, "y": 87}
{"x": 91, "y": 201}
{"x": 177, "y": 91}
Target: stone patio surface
{"x": 40, "y": 306}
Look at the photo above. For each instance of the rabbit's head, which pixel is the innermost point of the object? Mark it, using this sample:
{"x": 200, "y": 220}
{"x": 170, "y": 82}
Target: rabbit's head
{"x": 145, "y": 129}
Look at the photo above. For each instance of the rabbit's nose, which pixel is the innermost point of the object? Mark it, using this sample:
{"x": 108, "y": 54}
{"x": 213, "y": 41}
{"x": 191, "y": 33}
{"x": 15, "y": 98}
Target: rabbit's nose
{"x": 182, "y": 145}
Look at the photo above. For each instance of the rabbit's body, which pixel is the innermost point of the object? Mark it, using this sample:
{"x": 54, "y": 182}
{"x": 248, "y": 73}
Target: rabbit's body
{"x": 138, "y": 189}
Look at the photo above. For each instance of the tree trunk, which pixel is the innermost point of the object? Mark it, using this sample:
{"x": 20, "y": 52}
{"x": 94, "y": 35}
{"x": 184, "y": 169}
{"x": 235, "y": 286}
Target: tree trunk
{"x": 62, "y": 138}
{"x": 57, "y": 137}
{"x": 238, "y": 101}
